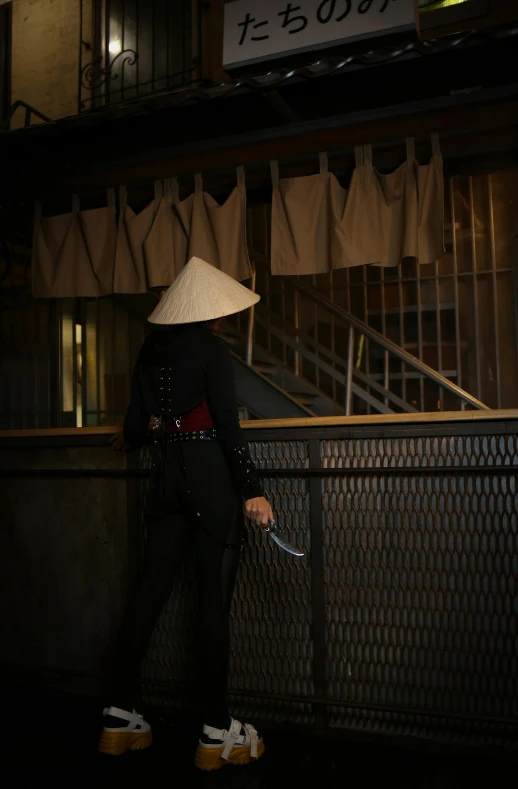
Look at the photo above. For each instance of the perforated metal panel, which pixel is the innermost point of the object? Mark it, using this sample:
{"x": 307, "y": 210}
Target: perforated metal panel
{"x": 271, "y": 616}
{"x": 403, "y": 616}
{"x": 421, "y": 609}
{"x": 271, "y": 649}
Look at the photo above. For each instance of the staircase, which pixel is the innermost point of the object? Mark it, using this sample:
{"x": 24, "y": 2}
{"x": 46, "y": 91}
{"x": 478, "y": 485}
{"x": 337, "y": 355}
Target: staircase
{"x": 270, "y": 387}
{"x": 283, "y": 372}
{"x": 267, "y": 389}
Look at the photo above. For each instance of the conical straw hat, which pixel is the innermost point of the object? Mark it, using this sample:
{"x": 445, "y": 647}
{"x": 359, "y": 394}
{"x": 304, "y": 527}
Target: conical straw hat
{"x": 202, "y": 293}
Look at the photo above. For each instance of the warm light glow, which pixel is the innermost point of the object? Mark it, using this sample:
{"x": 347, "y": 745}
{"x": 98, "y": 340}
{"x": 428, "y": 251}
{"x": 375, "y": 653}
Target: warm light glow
{"x": 79, "y": 358}
{"x": 115, "y": 46}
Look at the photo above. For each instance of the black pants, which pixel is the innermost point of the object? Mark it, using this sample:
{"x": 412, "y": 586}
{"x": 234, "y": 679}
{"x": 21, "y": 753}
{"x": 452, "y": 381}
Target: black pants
{"x": 170, "y": 538}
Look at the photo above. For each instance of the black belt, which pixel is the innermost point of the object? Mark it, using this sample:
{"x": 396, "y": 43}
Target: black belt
{"x": 198, "y": 435}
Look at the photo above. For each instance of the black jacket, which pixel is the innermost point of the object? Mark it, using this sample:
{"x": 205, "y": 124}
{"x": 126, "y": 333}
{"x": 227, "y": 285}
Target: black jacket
{"x": 178, "y": 368}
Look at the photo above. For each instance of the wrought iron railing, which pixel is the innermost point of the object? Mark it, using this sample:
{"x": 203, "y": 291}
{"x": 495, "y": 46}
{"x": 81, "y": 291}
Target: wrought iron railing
{"x": 130, "y": 49}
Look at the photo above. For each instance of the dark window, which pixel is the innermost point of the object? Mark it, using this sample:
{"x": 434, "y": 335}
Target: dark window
{"x": 137, "y": 48}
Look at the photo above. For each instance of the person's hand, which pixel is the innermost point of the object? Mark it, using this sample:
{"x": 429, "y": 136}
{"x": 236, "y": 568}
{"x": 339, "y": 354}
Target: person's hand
{"x": 259, "y": 511}
{"x": 118, "y": 443}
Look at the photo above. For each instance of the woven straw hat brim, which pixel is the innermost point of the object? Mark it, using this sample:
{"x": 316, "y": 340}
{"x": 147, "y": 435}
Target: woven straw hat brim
{"x": 202, "y": 293}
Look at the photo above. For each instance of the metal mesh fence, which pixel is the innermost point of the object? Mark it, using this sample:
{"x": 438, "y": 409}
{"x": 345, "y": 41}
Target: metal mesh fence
{"x": 414, "y": 541}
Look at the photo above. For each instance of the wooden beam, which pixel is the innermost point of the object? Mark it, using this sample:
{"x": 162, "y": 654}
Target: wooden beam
{"x": 452, "y": 122}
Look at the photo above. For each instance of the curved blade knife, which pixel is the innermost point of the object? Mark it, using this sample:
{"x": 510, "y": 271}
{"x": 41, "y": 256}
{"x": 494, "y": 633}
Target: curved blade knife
{"x": 281, "y": 541}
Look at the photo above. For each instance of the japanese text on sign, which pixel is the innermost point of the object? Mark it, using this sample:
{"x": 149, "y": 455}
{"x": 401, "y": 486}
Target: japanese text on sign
{"x": 257, "y": 30}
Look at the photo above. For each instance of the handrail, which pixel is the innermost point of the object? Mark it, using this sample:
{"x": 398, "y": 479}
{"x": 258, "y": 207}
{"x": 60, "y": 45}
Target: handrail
{"x": 506, "y": 415}
{"x": 363, "y": 328}
{"x": 388, "y": 345}
{"x": 310, "y": 356}
{"x": 29, "y": 112}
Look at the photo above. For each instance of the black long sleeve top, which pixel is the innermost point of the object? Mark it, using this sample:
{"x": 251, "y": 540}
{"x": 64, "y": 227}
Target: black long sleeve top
{"x": 197, "y": 366}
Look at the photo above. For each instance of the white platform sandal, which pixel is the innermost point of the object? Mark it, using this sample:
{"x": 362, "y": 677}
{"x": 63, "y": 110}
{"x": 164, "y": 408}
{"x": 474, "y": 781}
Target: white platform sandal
{"x": 239, "y": 745}
{"x": 134, "y": 736}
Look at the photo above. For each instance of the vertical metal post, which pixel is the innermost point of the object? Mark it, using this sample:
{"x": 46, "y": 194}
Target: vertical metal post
{"x": 123, "y": 46}
{"x": 113, "y": 360}
{"x": 386, "y": 361}
{"x": 75, "y": 377}
{"x": 153, "y": 47}
{"x": 475, "y": 287}
{"x": 366, "y": 319}
{"x": 168, "y": 34}
{"x": 514, "y": 274}
{"x": 184, "y": 42}
{"x": 25, "y": 365}
{"x": 420, "y": 332}
{"x": 264, "y": 239}
{"x": 84, "y": 366}
{"x": 401, "y": 330}
{"x": 296, "y": 320}
{"x": 332, "y": 298}
{"x": 12, "y": 378}
{"x": 284, "y": 317}
{"x": 315, "y": 320}
{"x": 137, "y": 41}
{"x": 56, "y": 373}
{"x": 251, "y": 324}
{"x": 349, "y": 372}
{"x": 106, "y": 45}
{"x": 80, "y": 55}
{"x": 455, "y": 283}
{"x": 98, "y": 358}
{"x": 495, "y": 290}
{"x": 318, "y": 606}
{"x": 439, "y": 328}
{"x": 96, "y": 54}
{"x": 37, "y": 409}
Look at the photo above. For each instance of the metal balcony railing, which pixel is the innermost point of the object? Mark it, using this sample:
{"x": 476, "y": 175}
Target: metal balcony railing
{"x": 130, "y": 49}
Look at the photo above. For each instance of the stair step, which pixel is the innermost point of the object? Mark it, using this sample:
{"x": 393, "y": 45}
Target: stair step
{"x": 303, "y": 398}
{"x": 231, "y": 339}
{"x": 264, "y": 367}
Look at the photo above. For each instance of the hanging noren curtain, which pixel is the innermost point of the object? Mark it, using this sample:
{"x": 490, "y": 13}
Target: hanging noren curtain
{"x": 73, "y": 254}
{"x": 381, "y": 219}
{"x": 89, "y": 254}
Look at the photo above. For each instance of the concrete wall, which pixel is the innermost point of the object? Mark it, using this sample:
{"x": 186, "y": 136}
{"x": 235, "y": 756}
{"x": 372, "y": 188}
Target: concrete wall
{"x": 64, "y": 560}
{"x": 45, "y": 56}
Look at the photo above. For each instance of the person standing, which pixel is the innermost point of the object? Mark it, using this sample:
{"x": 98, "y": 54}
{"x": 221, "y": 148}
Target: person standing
{"x": 202, "y": 476}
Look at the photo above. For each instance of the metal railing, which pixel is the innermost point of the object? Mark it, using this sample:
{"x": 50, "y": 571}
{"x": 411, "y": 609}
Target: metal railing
{"x": 29, "y": 113}
{"x": 458, "y": 315}
{"x": 130, "y": 50}
{"x": 400, "y": 619}
{"x": 342, "y": 368}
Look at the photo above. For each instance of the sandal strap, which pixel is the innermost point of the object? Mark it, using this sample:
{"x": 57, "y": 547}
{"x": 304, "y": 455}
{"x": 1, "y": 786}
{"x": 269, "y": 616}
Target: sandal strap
{"x": 234, "y": 735}
{"x": 253, "y": 737}
{"x": 133, "y": 718}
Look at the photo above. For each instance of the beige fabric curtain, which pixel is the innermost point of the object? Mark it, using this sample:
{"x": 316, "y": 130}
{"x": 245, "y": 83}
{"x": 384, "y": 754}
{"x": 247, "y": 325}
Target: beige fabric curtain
{"x": 197, "y": 226}
{"x": 130, "y": 274}
{"x": 305, "y": 215}
{"x": 73, "y": 254}
{"x": 87, "y": 254}
{"x": 166, "y": 247}
{"x": 218, "y": 232}
{"x": 430, "y": 202}
{"x": 382, "y": 219}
